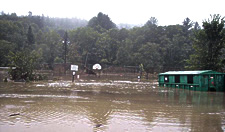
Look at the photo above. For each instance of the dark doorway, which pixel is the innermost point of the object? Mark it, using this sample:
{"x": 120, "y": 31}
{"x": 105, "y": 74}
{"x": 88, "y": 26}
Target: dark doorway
{"x": 190, "y": 79}
{"x": 177, "y": 78}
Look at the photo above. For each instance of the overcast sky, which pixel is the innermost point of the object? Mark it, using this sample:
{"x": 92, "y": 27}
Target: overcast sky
{"x": 168, "y": 12}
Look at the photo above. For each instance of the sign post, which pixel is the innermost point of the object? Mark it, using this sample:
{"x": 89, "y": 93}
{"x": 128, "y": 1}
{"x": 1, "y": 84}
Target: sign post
{"x": 74, "y": 68}
{"x": 73, "y": 76}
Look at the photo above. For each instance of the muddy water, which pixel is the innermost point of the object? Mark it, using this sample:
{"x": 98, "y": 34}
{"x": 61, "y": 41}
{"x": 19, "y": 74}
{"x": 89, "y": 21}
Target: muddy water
{"x": 114, "y": 106}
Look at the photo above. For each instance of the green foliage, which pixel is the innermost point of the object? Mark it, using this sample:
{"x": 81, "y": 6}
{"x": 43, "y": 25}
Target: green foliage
{"x": 58, "y": 60}
{"x": 85, "y": 40}
{"x": 30, "y": 36}
{"x": 101, "y": 20}
{"x": 208, "y": 45}
{"x": 37, "y": 33}
{"x": 187, "y": 24}
{"x": 5, "y": 48}
{"x": 13, "y": 32}
{"x": 156, "y": 47}
{"x": 123, "y": 56}
{"x": 109, "y": 45}
{"x": 25, "y": 63}
{"x": 52, "y": 48}
{"x": 150, "y": 57}
{"x": 152, "y": 21}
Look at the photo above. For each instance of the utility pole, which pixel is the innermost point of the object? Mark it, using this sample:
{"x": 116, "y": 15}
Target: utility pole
{"x": 65, "y": 41}
{"x": 85, "y": 65}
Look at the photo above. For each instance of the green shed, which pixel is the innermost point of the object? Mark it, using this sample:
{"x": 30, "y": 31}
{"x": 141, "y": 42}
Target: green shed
{"x": 206, "y": 80}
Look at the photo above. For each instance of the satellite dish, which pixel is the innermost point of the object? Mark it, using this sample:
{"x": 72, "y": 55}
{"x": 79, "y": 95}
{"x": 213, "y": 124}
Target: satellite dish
{"x": 97, "y": 67}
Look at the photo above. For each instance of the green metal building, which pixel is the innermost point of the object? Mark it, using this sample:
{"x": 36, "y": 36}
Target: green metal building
{"x": 206, "y": 80}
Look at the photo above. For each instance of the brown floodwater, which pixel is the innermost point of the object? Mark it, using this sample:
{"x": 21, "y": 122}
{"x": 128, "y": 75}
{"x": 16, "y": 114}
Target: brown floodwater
{"x": 108, "y": 105}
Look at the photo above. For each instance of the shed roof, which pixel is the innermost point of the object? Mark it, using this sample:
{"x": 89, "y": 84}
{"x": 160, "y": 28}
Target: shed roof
{"x": 190, "y": 72}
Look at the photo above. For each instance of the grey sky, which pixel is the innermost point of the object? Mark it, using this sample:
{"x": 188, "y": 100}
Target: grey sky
{"x": 168, "y": 12}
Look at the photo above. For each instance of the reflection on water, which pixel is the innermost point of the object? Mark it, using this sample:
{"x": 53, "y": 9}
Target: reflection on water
{"x": 108, "y": 106}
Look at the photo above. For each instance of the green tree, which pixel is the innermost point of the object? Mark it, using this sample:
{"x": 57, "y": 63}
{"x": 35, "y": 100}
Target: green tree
{"x": 13, "y": 32}
{"x": 123, "y": 57}
{"x": 73, "y": 55}
{"x": 109, "y": 45}
{"x": 208, "y": 45}
{"x": 54, "y": 48}
{"x": 196, "y": 26}
{"x": 50, "y": 47}
{"x": 40, "y": 37}
{"x": 101, "y": 20}
{"x": 30, "y": 36}
{"x": 5, "y": 48}
{"x": 175, "y": 46}
{"x": 83, "y": 40}
{"x": 151, "y": 21}
{"x": 187, "y": 24}
{"x": 25, "y": 63}
{"x": 150, "y": 57}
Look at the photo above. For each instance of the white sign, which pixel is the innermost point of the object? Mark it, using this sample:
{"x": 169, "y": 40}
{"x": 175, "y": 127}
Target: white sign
{"x": 97, "y": 67}
{"x": 74, "y": 67}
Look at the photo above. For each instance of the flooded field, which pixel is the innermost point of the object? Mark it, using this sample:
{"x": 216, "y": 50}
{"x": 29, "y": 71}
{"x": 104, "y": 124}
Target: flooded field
{"x": 112, "y": 105}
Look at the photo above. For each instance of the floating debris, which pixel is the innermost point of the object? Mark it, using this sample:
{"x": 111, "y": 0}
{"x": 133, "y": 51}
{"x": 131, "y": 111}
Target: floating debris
{"x": 15, "y": 114}
{"x": 98, "y": 125}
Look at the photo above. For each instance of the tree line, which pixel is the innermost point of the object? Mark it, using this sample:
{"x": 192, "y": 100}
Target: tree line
{"x": 99, "y": 40}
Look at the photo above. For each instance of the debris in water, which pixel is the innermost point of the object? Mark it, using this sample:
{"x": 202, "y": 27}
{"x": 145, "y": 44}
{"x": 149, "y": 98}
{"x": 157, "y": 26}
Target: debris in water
{"x": 98, "y": 125}
{"x": 15, "y": 114}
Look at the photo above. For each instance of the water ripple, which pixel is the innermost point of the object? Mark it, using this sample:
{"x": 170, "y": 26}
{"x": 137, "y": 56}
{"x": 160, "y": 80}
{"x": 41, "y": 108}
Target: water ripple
{"x": 38, "y": 96}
